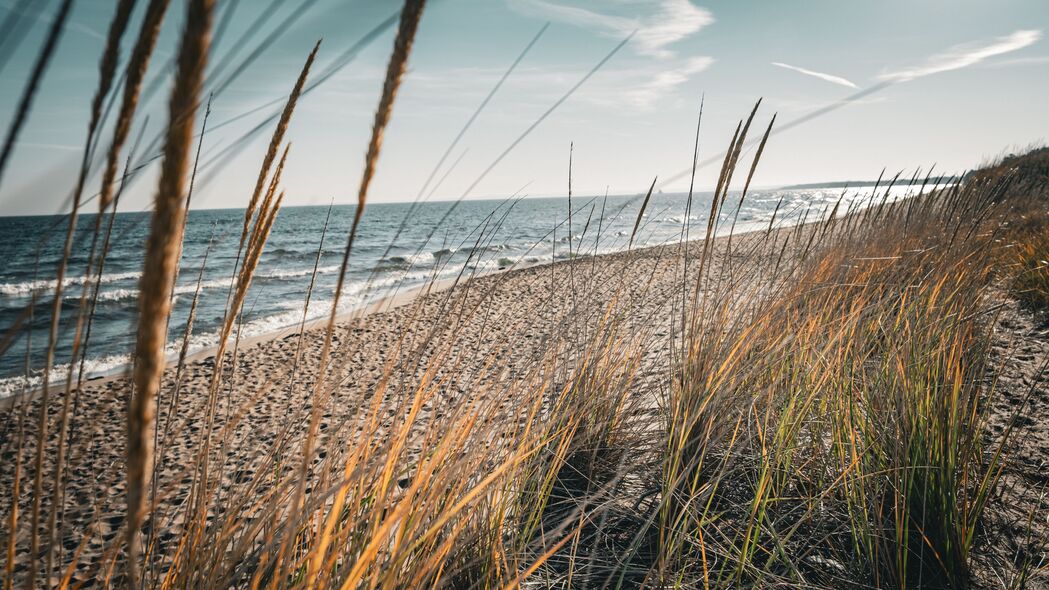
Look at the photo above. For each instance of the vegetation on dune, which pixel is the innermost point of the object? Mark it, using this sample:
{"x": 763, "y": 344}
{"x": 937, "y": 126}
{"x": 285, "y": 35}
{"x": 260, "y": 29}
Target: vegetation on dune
{"x": 1031, "y": 241}
{"x": 815, "y": 416}
{"x": 1032, "y": 280}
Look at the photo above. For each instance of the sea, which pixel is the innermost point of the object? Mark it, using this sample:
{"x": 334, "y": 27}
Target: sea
{"x": 399, "y": 246}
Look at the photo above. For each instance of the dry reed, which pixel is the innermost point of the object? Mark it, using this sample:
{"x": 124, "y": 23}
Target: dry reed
{"x": 158, "y": 274}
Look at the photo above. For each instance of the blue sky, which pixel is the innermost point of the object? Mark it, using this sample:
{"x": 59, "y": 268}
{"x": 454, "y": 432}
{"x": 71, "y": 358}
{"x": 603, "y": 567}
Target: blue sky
{"x": 968, "y": 81}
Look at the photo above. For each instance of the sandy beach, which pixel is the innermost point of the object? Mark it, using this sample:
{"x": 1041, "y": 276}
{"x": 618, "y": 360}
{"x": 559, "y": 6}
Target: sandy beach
{"x": 490, "y": 329}
{"x": 498, "y": 325}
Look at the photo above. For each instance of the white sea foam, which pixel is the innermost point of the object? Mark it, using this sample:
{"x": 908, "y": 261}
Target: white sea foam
{"x": 27, "y": 288}
{"x": 298, "y": 272}
{"x": 410, "y": 259}
{"x": 117, "y": 294}
{"x": 355, "y": 294}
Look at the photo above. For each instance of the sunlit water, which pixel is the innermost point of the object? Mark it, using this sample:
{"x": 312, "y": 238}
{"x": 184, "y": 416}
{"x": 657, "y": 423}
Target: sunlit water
{"x": 397, "y": 248}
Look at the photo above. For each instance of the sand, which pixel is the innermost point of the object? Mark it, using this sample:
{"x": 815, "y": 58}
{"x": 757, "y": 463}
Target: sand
{"x": 1017, "y": 517}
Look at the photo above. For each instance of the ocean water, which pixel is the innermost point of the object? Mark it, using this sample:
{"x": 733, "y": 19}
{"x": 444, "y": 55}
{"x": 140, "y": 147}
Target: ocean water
{"x": 397, "y": 248}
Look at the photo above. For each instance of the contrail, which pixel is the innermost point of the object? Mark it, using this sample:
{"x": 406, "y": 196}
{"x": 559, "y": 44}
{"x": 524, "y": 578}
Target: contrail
{"x": 822, "y": 76}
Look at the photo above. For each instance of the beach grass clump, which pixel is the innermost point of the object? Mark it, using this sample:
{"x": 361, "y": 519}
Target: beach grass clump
{"x": 906, "y": 415}
{"x": 568, "y": 496}
{"x": 1032, "y": 279}
{"x": 1023, "y": 239}
{"x": 1026, "y": 258}
{"x": 835, "y": 432}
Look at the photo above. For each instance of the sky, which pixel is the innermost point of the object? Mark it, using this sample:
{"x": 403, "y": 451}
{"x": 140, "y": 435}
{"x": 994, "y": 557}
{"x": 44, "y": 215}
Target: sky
{"x": 910, "y": 84}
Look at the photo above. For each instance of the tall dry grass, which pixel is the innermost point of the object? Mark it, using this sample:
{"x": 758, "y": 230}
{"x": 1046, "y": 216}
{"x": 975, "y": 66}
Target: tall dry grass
{"x": 158, "y": 276}
{"x": 802, "y": 406}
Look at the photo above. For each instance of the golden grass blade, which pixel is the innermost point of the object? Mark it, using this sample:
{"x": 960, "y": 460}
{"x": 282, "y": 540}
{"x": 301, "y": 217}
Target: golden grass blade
{"x": 402, "y": 47}
{"x": 267, "y": 202}
{"x": 180, "y": 365}
{"x": 239, "y": 277}
{"x": 244, "y": 268}
{"x": 757, "y": 157}
{"x": 42, "y": 427}
{"x": 158, "y": 273}
{"x": 25, "y": 103}
{"x": 107, "y": 70}
{"x": 276, "y": 140}
{"x": 107, "y": 67}
{"x": 309, "y": 291}
{"x": 136, "y": 73}
{"x": 641, "y": 212}
{"x": 192, "y": 182}
{"x": 16, "y": 489}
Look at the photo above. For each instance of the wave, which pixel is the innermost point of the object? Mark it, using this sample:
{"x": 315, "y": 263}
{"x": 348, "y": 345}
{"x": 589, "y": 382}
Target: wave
{"x": 406, "y": 260}
{"x": 299, "y": 272}
{"x": 355, "y": 294}
{"x": 120, "y": 294}
{"x": 27, "y": 288}
{"x": 566, "y": 239}
{"x": 117, "y": 294}
{"x": 190, "y": 288}
{"x": 573, "y": 255}
{"x": 679, "y": 219}
{"x": 59, "y": 373}
{"x": 187, "y": 289}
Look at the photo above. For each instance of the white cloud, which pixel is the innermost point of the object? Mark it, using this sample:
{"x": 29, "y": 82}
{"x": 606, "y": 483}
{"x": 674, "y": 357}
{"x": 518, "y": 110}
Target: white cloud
{"x": 656, "y": 26}
{"x": 661, "y": 22}
{"x": 822, "y": 76}
{"x": 645, "y": 95}
{"x": 675, "y": 20}
{"x": 963, "y": 56}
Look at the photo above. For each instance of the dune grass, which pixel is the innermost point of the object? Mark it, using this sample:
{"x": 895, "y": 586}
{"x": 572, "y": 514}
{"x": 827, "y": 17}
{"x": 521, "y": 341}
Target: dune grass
{"x": 807, "y": 409}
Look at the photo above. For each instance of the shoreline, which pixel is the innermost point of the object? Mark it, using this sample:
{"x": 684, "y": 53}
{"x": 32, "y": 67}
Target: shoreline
{"x": 399, "y": 298}
{"x": 390, "y": 302}
{"x": 384, "y": 303}
{"x": 477, "y": 341}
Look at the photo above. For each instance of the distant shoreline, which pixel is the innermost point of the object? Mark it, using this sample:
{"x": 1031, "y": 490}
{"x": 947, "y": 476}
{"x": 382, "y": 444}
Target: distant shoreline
{"x": 90, "y": 213}
{"x": 885, "y": 182}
